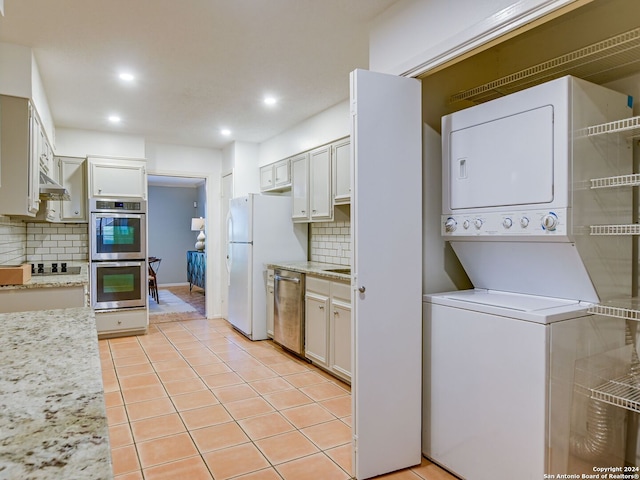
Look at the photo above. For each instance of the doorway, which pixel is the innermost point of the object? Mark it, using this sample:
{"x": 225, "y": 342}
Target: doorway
{"x": 173, "y": 201}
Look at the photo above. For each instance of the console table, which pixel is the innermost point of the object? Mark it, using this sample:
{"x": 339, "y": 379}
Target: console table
{"x": 196, "y": 267}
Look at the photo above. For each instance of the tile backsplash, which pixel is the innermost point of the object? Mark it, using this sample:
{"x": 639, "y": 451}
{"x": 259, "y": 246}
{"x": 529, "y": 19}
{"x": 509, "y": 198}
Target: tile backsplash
{"x": 331, "y": 242}
{"x": 13, "y": 239}
{"x": 57, "y": 242}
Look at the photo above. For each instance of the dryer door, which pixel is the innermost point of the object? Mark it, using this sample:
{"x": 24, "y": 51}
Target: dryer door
{"x": 504, "y": 161}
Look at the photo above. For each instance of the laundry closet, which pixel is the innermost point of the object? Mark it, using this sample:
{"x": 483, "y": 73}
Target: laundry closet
{"x": 535, "y": 368}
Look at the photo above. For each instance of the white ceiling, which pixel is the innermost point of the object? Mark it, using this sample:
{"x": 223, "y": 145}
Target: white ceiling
{"x": 200, "y": 65}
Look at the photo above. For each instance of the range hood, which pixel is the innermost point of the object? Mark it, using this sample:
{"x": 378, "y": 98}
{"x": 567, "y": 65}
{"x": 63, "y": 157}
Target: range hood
{"x": 52, "y": 190}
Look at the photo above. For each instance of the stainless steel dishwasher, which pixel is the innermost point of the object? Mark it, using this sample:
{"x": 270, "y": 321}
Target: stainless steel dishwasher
{"x": 288, "y": 315}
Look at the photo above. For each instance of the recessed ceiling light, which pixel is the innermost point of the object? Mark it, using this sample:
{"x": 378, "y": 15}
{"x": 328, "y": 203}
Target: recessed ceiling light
{"x": 226, "y": 132}
{"x": 114, "y": 119}
{"x": 127, "y": 77}
{"x": 270, "y": 100}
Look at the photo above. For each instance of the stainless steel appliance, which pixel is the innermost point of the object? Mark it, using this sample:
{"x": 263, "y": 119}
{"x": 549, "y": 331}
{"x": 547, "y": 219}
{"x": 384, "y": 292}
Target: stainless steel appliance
{"x": 118, "y": 284}
{"x": 288, "y": 323}
{"x": 118, "y": 229}
{"x": 118, "y": 244}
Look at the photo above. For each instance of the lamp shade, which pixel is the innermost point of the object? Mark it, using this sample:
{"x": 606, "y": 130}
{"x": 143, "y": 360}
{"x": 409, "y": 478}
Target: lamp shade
{"x": 197, "y": 224}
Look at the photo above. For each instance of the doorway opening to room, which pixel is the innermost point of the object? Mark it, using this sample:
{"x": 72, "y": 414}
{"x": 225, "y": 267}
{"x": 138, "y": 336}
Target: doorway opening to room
{"x": 177, "y": 285}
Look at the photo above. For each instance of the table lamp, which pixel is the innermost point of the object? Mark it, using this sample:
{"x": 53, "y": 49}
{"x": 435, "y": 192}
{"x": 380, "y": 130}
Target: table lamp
{"x": 197, "y": 224}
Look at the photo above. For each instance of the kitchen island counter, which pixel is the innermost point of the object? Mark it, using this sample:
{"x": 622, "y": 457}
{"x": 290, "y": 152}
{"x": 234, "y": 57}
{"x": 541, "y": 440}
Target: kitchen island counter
{"x": 53, "y": 422}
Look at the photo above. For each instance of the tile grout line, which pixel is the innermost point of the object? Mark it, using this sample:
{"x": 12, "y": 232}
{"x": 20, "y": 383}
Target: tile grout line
{"x": 175, "y": 347}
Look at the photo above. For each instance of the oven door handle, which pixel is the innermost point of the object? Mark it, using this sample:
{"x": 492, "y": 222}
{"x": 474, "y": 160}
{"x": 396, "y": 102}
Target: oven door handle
{"x": 120, "y": 263}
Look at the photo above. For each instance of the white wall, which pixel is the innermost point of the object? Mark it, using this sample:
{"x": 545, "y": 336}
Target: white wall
{"x": 15, "y": 70}
{"x": 329, "y": 125}
{"x": 246, "y": 174}
{"x": 81, "y": 143}
{"x": 414, "y": 35}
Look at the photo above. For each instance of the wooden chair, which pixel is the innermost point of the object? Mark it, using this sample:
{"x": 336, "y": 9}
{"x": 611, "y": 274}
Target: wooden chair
{"x": 154, "y": 266}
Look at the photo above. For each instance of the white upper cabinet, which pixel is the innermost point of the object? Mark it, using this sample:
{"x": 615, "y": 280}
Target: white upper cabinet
{"x": 117, "y": 178}
{"x": 19, "y": 157}
{"x": 320, "y": 183}
{"x": 276, "y": 176}
{"x": 300, "y": 188}
{"x": 266, "y": 178}
{"x": 341, "y": 167}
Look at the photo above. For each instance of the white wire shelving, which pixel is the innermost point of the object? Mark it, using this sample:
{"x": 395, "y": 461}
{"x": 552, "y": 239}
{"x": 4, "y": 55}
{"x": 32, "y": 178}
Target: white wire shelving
{"x": 622, "y": 392}
{"x": 614, "y": 57}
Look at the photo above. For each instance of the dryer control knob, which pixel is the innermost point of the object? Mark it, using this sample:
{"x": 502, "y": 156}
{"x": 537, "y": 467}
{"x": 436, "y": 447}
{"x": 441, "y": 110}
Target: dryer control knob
{"x": 524, "y": 222}
{"x": 550, "y": 221}
{"x": 507, "y": 222}
{"x": 450, "y": 225}
{"x": 466, "y": 224}
{"x": 478, "y": 223}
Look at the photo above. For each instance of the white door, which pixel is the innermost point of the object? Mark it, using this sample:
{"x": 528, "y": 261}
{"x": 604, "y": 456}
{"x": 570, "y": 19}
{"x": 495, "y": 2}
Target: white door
{"x": 386, "y": 220}
{"x": 227, "y": 194}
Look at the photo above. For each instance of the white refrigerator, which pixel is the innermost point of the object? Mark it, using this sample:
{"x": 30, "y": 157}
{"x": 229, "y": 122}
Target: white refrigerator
{"x": 260, "y": 231}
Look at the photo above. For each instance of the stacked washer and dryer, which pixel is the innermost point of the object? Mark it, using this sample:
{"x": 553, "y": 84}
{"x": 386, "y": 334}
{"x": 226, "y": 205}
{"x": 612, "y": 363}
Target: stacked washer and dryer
{"x": 508, "y": 365}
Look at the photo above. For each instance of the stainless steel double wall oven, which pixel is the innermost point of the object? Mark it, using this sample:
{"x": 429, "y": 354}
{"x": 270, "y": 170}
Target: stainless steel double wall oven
{"x": 118, "y": 245}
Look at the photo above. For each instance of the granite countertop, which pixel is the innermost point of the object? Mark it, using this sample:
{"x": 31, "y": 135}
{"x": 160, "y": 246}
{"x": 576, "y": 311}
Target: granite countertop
{"x": 53, "y": 422}
{"x": 54, "y": 281}
{"x": 314, "y": 268}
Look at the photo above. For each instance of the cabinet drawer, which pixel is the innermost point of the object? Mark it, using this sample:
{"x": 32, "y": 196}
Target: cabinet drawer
{"x": 108, "y": 323}
{"x": 341, "y": 291}
{"x": 318, "y": 285}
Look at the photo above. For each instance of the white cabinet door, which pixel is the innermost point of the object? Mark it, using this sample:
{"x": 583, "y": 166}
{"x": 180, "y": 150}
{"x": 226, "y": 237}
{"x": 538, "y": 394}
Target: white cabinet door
{"x": 72, "y": 176}
{"x": 266, "y": 178}
{"x": 316, "y": 342}
{"x": 340, "y": 330}
{"x": 281, "y": 172}
{"x": 320, "y": 182}
{"x": 387, "y": 296}
{"x": 341, "y": 166}
{"x": 300, "y": 188}
{"x": 115, "y": 178}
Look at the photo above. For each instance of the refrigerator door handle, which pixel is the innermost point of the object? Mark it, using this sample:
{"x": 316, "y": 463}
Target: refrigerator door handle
{"x": 229, "y": 259}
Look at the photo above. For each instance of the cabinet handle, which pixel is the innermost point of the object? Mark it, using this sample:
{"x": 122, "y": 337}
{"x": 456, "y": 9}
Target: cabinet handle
{"x": 335, "y": 312}
{"x": 362, "y": 289}
{"x": 303, "y": 211}
{"x": 76, "y": 212}
{"x": 321, "y": 307}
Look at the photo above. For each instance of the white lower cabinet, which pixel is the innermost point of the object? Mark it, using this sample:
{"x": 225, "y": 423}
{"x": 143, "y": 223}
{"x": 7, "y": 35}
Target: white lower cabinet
{"x": 270, "y": 303}
{"x": 328, "y": 326}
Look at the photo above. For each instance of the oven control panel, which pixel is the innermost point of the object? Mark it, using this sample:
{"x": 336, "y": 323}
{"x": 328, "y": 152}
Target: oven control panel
{"x": 508, "y": 223}
{"x": 116, "y": 205}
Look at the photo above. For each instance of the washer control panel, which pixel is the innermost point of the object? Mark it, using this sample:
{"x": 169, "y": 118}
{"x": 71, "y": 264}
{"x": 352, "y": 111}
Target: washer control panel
{"x": 508, "y": 223}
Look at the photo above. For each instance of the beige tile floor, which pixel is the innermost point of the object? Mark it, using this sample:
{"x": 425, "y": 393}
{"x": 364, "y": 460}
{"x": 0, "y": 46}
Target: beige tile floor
{"x": 193, "y": 399}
